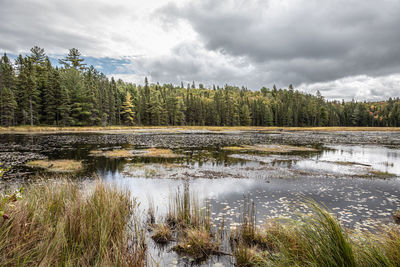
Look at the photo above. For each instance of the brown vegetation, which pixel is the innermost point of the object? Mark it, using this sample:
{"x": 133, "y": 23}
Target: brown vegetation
{"x": 62, "y": 165}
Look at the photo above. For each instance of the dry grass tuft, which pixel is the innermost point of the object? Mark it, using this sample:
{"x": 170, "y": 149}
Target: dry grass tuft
{"x": 185, "y": 211}
{"x": 56, "y": 225}
{"x": 159, "y": 153}
{"x": 117, "y": 153}
{"x": 162, "y": 233}
{"x": 197, "y": 244}
{"x": 317, "y": 239}
{"x": 62, "y": 165}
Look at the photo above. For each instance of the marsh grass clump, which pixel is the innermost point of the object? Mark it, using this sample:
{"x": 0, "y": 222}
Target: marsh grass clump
{"x": 323, "y": 240}
{"x": 116, "y": 153}
{"x": 62, "y": 165}
{"x": 184, "y": 211}
{"x": 315, "y": 239}
{"x": 159, "y": 153}
{"x": 197, "y": 243}
{"x": 390, "y": 244}
{"x": 162, "y": 233}
{"x": 250, "y": 256}
{"x": 55, "y": 224}
{"x": 191, "y": 221}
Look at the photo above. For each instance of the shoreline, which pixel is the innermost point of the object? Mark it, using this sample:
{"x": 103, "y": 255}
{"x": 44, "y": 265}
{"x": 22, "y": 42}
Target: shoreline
{"x": 125, "y": 129}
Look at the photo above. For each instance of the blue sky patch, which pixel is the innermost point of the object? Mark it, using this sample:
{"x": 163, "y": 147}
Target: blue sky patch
{"x": 106, "y": 65}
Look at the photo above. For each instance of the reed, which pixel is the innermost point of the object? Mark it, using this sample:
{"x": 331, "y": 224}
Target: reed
{"x": 56, "y": 224}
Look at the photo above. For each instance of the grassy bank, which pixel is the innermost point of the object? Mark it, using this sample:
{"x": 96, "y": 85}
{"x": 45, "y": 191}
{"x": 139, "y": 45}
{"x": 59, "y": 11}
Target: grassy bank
{"x": 54, "y": 224}
{"x": 50, "y": 129}
{"x": 315, "y": 239}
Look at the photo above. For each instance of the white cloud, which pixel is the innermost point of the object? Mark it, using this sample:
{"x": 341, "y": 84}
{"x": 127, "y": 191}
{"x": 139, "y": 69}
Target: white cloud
{"x": 361, "y": 87}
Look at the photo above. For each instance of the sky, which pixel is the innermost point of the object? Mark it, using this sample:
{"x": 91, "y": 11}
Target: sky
{"x": 344, "y": 48}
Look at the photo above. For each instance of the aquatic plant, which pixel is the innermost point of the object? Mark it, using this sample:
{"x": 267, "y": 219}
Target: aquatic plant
{"x": 55, "y": 224}
{"x": 197, "y": 243}
{"x": 184, "y": 210}
{"x": 315, "y": 239}
{"x": 162, "y": 233}
{"x": 192, "y": 223}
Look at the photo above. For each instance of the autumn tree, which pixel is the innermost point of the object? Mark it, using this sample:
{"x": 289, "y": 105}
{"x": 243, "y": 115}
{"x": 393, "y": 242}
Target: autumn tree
{"x": 127, "y": 110}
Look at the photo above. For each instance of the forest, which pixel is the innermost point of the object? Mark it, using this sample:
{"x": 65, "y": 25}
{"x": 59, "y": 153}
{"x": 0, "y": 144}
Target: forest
{"x": 33, "y": 92}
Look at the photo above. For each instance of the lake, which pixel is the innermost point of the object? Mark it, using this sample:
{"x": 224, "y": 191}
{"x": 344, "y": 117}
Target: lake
{"x": 355, "y": 174}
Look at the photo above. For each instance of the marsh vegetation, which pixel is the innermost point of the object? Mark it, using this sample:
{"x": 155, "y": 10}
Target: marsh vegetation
{"x": 55, "y": 223}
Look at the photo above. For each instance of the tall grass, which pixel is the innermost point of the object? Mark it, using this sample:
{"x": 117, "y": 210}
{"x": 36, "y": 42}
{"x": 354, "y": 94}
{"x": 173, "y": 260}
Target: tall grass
{"x": 191, "y": 221}
{"x": 56, "y": 225}
{"x": 185, "y": 210}
{"x": 313, "y": 240}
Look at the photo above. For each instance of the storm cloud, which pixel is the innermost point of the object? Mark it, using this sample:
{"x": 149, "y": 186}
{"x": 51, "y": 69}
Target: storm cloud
{"x": 345, "y": 49}
{"x": 310, "y": 40}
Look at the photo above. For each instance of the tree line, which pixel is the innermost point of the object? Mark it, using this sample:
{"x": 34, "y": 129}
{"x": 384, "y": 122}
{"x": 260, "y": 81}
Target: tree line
{"x": 33, "y": 92}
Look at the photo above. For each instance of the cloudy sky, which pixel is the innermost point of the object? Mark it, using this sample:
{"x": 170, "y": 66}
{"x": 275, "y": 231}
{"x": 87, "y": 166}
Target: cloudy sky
{"x": 344, "y": 48}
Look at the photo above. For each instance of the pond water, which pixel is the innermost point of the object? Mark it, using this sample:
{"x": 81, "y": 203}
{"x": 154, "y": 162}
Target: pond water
{"x": 360, "y": 183}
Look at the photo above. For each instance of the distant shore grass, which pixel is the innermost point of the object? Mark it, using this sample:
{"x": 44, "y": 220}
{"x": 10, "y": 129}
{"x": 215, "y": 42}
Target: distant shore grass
{"x": 50, "y": 129}
{"x": 54, "y": 224}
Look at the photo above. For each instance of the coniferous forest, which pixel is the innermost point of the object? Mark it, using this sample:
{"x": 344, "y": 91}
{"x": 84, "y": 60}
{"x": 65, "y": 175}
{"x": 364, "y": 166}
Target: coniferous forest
{"x": 33, "y": 92}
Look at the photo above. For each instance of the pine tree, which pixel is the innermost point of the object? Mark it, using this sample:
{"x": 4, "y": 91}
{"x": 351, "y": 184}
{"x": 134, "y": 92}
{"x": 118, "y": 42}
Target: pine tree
{"x": 28, "y": 97}
{"x": 127, "y": 110}
{"x": 245, "y": 117}
{"x": 63, "y": 107}
{"x": 7, "y": 88}
{"x": 268, "y": 120}
{"x": 80, "y": 107}
{"x": 7, "y": 74}
{"x": 49, "y": 102}
{"x": 112, "y": 119}
{"x": 73, "y": 60}
{"x": 8, "y": 105}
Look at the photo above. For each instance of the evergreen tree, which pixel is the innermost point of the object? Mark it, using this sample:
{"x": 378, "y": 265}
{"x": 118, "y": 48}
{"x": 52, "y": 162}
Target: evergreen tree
{"x": 73, "y": 60}
{"x": 245, "y": 117}
{"x": 50, "y": 87}
{"x": 8, "y": 105}
{"x": 28, "y": 96}
{"x": 33, "y": 92}
{"x": 127, "y": 110}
